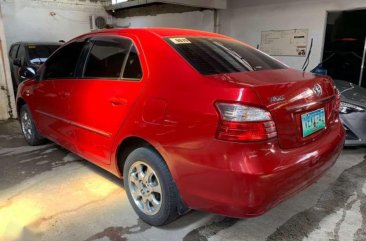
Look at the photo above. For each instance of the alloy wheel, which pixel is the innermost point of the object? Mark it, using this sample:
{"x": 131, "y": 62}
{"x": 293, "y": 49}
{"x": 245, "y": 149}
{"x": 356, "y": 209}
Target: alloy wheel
{"x": 145, "y": 188}
{"x": 26, "y": 123}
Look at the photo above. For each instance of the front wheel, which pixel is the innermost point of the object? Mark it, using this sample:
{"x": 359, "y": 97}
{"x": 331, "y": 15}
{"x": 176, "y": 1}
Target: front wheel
{"x": 150, "y": 187}
{"x": 30, "y": 132}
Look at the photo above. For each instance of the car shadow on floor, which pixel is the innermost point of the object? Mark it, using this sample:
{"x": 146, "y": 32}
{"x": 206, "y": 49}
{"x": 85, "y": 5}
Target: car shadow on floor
{"x": 191, "y": 217}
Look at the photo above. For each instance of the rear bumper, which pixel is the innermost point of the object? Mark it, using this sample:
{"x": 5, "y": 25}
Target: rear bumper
{"x": 242, "y": 180}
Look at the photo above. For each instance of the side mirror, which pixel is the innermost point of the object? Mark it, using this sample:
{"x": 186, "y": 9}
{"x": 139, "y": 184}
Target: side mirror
{"x": 27, "y": 73}
{"x": 17, "y": 62}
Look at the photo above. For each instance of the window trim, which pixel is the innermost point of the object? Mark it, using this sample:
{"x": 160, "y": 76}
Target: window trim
{"x": 125, "y": 61}
{"x": 80, "y": 66}
{"x": 120, "y": 78}
{"x": 124, "y": 66}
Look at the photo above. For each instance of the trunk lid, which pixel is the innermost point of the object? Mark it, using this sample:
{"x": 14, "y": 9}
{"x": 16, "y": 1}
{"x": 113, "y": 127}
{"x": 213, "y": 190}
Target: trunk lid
{"x": 288, "y": 94}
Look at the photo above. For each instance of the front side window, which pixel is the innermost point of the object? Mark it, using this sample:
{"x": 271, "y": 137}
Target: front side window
{"x": 63, "y": 63}
{"x": 106, "y": 58}
{"x": 219, "y": 56}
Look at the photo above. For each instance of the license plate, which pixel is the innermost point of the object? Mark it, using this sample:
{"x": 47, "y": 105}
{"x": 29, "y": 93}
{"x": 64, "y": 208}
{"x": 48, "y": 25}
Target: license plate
{"x": 312, "y": 122}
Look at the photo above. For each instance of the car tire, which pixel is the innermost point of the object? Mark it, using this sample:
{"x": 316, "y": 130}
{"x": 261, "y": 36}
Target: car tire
{"x": 150, "y": 187}
{"x": 29, "y": 130}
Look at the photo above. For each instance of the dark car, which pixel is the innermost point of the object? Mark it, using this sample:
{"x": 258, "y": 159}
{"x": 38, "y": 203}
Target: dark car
{"x": 28, "y": 54}
{"x": 352, "y": 108}
{"x": 352, "y": 112}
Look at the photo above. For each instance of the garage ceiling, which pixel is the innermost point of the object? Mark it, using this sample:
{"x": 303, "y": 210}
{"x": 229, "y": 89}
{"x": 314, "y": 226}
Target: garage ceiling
{"x": 179, "y": 5}
{"x": 205, "y": 4}
{"x": 134, "y": 8}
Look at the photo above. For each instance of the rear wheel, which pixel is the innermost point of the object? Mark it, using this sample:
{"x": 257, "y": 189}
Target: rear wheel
{"x": 150, "y": 187}
{"x": 30, "y": 132}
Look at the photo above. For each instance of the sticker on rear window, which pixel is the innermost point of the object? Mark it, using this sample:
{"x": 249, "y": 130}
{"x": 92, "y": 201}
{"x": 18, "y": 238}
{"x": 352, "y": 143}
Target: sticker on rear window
{"x": 180, "y": 40}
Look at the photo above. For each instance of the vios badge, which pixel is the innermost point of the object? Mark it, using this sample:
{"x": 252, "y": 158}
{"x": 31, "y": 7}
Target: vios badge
{"x": 274, "y": 99}
{"x": 317, "y": 89}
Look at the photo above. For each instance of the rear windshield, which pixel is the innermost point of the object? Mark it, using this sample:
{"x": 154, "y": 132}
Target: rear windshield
{"x": 38, "y": 54}
{"x": 219, "y": 56}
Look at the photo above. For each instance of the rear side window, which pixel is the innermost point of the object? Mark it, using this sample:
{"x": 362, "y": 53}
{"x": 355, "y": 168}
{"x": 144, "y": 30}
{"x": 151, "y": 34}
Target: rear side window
{"x": 133, "y": 67}
{"x": 219, "y": 56}
{"x": 63, "y": 63}
{"x": 106, "y": 58}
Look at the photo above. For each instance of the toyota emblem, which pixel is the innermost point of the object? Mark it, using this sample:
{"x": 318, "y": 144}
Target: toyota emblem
{"x": 317, "y": 89}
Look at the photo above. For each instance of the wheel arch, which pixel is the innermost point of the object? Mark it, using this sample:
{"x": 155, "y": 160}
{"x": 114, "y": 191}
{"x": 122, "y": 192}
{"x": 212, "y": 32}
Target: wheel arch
{"x": 127, "y": 146}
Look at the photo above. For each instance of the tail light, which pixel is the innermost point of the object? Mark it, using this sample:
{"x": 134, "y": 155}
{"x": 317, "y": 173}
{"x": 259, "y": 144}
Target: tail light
{"x": 244, "y": 123}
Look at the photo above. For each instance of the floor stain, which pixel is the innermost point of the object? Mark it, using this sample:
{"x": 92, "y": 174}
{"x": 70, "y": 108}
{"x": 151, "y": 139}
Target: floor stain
{"x": 118, "y": 233}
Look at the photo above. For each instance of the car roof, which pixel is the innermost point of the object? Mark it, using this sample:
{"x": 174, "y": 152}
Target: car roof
{"x": 166, "y": 32}
{"x": 161, "y": 32}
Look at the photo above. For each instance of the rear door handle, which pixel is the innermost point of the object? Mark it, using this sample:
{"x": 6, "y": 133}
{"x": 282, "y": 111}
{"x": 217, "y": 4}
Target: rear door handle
{"x": 118, "y": 101}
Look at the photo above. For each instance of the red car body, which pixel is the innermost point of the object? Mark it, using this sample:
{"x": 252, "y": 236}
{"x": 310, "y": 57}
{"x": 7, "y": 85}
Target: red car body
{"x": 173, "y": 109}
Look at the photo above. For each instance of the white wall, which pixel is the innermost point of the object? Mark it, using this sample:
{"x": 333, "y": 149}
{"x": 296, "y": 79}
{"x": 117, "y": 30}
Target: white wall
{"x": 6, "y": 88}
{"x": 245, "y": 19}
{"x": 31, "y": 20}
{"x": 201, "y": 20}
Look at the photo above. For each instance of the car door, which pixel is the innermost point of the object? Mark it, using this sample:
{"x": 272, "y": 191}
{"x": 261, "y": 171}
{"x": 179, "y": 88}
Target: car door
{"x": 18, "y": 63}
{"x": 12, "y": 56}
{"x": 104, "y": 95}
{"x": 52, "y": 94}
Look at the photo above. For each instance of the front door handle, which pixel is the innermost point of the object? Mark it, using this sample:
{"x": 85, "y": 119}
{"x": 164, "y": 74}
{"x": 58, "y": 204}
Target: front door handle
{"x": 118, "y": 101}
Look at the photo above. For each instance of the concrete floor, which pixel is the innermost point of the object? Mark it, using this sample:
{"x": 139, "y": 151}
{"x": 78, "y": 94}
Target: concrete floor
{"x": 47, "y": 193}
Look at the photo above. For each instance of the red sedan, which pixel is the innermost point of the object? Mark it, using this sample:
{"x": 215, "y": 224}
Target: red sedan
{"x": 190, "y": 119}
